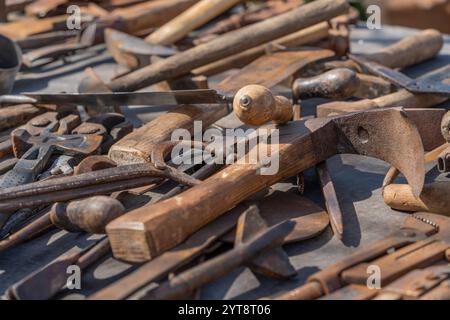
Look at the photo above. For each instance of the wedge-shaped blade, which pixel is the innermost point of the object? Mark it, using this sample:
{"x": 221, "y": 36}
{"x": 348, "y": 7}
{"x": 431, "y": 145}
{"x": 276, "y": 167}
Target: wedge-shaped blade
{"x": 273, "y": 263}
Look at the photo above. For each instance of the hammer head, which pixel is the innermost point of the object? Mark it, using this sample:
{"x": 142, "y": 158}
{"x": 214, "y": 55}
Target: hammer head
{"x": 386, "y": 134}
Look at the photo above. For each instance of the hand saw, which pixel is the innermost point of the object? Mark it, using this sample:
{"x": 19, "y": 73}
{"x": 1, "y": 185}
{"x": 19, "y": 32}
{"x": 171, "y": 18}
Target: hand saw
{"x": 431, "y": 83}
{"x": 166, "y": 98}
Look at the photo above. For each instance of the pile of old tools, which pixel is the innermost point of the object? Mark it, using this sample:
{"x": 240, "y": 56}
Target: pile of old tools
{"x": 73, "y": 161}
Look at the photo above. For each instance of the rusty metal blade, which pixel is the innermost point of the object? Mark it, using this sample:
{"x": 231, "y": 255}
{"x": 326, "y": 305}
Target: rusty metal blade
{"x": 132, "y": 51}
{"x": 387, "y": 134}
{"x": 431, "y": 83}
{"x": 130, "y": 98}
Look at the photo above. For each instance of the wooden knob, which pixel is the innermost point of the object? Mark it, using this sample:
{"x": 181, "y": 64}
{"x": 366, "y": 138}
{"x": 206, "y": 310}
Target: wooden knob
{"x": 445, "y": 127}
{"x": 256, "y": 105}
{"x": 90, "y": 215}
{"x": 338, "y": 83}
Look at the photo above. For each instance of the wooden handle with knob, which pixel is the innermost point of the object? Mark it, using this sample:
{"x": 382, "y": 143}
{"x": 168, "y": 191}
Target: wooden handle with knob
{"x": 256, "y": 105}
{"x": 338, "y": 83}
{"x": 90, "y": 215}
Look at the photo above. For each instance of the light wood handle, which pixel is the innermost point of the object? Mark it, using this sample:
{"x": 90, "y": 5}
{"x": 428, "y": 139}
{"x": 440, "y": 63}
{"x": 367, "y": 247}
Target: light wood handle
{"x": 256, "y": 105}
{"x": 401, "y": 98}
{"x": 231, "y": 43}
{"x": 145, "y": 233}
{"x": 434, "y": 198}
{"x": 137, "y": 147}
{"x": 189, "y": 20}
{"x": 410, "y": 50}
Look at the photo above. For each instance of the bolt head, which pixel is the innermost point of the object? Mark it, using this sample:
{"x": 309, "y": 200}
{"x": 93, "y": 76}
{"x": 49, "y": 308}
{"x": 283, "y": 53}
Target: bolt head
{"x": 245, "y": 101}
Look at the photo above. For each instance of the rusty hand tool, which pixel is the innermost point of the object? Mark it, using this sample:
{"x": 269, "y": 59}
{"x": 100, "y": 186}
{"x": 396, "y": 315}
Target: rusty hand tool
{"x": 255, "y": 242}
{"x": 137, "y": 146}
{"x": 133, "y": 52}
{"x": 245, "y": 38}
{"x": 416, "y": 283}
{"x": 88, "y": 215}
{"x": 403, "y": 53}
{"x": 400, "y": 98}
{"x": 54, "y": 275}
{"x": 431, "y": 84}
{"x": 45, "y": 222}
{"x": 166, "y": 98}
{"x": 52, "y": 52}
{"x": 35, "y": 151}
{"x": 256, "y": 105}
{"x": 266, "y": 10}
{"x": 310, "y": 221}
{"x": 132, "y": 19}
{"x": 422, "y": 241}
{"x": 194, "y": 17}
{"x": 273, "y": 68}
{"x": 150, "y": 230}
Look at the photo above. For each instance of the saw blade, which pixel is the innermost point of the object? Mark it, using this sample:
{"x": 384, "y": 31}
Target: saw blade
{"x": 165, "y": 98}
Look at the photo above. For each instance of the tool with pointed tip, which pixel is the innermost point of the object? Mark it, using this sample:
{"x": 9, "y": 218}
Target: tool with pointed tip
{"x": 338, "y": 83}
{"x": 257, "y": 242}
{"x": 387, "y": 134}
{"x": 54, "y": 274}
{"x": 431, "y": 84}
{"x": 85, "y": 40}
{"x": 230, "y": 43}
{"x": 35, "y": 151}
{"x": 164, "y": 98}
{"x": 132, "y": 51}
{"x": 310, "y": 220}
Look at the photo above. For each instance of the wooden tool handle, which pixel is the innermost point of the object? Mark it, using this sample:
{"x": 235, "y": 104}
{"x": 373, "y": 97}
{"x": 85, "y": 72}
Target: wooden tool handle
{"x": 137, "y": 147}
{"x": 434, "y": 198}
{"x": 192, "y": 18}
{"x": 338, "y": 83}
{"x": 89, "y": 215}
{"x": 256, "y": 105}
{"x": 149, "y": 231}
{"x": 410, "y": 50}
{"x": 231, "y": 43}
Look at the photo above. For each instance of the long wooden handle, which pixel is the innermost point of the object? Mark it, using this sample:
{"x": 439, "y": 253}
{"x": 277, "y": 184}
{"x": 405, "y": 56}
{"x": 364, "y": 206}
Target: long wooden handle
{"x": 410, "y": 50}
{"x": 151, "y": 230}
{"x": 401, "y": 98}
{"x": 305, "y": 36}
{"x": 149, "y": 14}
{"x": 194, "y": 17}
{"x": 434, "y": 198}
{"x": 231, "y": 43}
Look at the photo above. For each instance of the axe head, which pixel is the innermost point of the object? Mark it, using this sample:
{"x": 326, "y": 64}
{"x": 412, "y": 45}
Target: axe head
{"x": 387, "y": 134}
